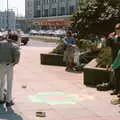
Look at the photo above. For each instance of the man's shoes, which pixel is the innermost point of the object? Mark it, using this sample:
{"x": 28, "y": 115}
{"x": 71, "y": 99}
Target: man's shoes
{"x": 114, "y": 92}
{"x": 103, "y": 87}
{"x": 8, "y": 104}
{"x": 115, "y": 101}
{"x": 2, "y": 102}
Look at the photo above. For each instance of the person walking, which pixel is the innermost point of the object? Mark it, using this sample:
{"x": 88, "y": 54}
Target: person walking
{"x": 9, "y": 57}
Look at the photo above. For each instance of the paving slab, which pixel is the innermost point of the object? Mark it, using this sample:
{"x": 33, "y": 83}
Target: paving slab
{"x": 60, "y": 94}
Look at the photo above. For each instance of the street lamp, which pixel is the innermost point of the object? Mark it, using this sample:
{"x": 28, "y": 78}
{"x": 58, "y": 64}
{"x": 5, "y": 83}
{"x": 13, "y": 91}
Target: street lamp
{"x": 7, "y": 17}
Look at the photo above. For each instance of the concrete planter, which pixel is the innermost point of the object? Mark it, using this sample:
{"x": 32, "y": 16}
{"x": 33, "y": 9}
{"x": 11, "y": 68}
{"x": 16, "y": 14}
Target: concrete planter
{"x": 94, "y": 75}
{"x": 57, "y": 59}
{"x": 52, "y": 59}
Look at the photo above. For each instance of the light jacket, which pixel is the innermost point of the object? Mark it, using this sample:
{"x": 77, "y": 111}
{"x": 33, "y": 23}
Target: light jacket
{"x": 9, "y": 52}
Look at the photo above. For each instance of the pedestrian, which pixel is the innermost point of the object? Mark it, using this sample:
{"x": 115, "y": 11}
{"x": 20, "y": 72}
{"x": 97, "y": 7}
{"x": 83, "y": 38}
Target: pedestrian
{"x": 9, "y": 57}
{"x": 114, "y": 43}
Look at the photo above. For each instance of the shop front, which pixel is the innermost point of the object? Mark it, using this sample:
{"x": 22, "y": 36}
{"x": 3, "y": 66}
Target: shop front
{"x": 44, "y": 23}
{"x": 55, "y": 24}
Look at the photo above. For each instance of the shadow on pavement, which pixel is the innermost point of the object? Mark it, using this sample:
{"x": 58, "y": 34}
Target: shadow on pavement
{"x": 9, "y": 115}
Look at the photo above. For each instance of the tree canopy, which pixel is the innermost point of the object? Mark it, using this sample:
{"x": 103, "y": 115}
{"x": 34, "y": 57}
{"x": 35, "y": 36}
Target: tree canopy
{"x": 96, "y": 17}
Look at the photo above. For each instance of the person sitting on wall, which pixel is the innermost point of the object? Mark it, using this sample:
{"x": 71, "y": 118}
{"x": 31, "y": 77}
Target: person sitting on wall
{"x": 69, "y": 39}
{"x": 71, "y": 53}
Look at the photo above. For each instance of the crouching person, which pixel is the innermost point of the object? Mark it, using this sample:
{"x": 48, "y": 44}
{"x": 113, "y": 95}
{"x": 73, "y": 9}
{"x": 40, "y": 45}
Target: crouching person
{"x": 9, "y": 56}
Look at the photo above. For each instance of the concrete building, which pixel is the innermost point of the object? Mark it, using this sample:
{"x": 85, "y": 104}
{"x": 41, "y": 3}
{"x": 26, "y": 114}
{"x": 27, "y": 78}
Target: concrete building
{"x": 7, "y": 20}
{"x": 29, "y": 8}
{"x": 49, "y": 13}
{"x": 49, "y": 8}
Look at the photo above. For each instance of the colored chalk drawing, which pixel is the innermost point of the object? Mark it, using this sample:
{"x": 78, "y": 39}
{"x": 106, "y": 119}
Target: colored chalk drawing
{"x": 55, "y": 98}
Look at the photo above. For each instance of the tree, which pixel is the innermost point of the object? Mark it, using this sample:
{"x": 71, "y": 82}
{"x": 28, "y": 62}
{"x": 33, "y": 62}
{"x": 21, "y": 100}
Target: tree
{"x": 96, "y": 17}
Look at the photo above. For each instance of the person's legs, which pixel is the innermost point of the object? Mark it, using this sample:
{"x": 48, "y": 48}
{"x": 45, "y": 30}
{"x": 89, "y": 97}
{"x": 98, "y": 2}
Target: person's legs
{"x": 9, "y": 83}
{"x": 117, "y": 87}
{"x": 117, "y": 80}
{"x": 2, "y": 82}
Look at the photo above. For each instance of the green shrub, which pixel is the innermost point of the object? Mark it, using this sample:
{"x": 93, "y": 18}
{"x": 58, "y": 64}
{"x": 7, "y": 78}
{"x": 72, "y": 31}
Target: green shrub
{"x": 104, "y": 57}
{"x": 85, "y": 45}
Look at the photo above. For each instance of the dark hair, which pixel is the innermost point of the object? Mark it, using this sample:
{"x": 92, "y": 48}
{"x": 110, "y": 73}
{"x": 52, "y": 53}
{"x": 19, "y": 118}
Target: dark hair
{"x": 13, "y": 37}
{"x": 117, "y": 26}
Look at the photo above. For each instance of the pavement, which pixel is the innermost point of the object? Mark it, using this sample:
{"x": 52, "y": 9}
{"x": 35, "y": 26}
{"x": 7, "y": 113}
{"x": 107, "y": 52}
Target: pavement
{"x": 60, "y": 94}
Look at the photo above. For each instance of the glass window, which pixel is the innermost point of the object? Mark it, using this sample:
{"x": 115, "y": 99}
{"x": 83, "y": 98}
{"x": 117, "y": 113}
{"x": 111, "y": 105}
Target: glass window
{"x": 46, "y": 13}
{"x": 62, "y": 11}
{"x": 71, "y": 9}
{"x": 53, "y": 1}
{"x": 38, "y": 13}
{"x": 45, "y": 1}
{"x": 62, "y": 0}
{"x": 53, "y": 11}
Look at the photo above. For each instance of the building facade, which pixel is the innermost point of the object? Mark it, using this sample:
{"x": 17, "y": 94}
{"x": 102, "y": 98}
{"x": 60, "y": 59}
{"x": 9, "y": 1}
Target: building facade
{"x": 49, "y": 8}
{"x": 7, "y": 20}
{"x": 29, "y": 8}
{"x": 49, "y": 13}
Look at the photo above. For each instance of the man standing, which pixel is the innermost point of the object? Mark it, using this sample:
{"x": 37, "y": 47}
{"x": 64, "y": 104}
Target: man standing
{"x": 9, "y": 56}
{"x": 114, "y": 43}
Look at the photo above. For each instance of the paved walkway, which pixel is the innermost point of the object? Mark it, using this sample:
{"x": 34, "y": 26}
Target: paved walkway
{"x": 51, "y": 89}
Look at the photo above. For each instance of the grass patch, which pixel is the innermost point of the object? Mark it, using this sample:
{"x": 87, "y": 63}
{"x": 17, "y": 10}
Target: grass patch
{"x": 44, "y": 39}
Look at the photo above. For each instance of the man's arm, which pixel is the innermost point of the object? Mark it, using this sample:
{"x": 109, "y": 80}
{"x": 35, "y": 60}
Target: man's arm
{"x": 15, "y": 53}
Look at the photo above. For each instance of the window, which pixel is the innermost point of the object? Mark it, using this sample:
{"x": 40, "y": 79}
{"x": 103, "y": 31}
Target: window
{"x": 46, "y": 13}
{"x": 37, "y": 2}
{"x": 71, "y": 9}
{"x": 38, "y": 13}
{"x": 62, "y": 0}
{"x": 29, "y": 3}
{"x": 62, "y": 11}
{"x": 53, "y": 11}
{"x": 45, "y": 1}
{"x": 53, "y": 1}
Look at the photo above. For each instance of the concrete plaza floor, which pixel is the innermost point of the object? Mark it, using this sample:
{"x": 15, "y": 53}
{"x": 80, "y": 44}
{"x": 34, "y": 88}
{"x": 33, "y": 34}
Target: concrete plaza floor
{"x": 50, "y": 89}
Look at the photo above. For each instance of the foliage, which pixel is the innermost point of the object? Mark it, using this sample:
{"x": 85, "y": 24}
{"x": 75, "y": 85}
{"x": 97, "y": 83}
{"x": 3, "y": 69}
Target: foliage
{"x": 104, "y": 57}
{"x": 96, "y": 16}
{"x": 59, "y": 49}
{"x": 83, "y": 45}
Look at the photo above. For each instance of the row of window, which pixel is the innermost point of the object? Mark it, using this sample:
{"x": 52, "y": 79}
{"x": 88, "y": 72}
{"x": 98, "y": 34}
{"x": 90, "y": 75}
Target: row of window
{"x": 54, "y": 12}
{"x": 38, "y": 2}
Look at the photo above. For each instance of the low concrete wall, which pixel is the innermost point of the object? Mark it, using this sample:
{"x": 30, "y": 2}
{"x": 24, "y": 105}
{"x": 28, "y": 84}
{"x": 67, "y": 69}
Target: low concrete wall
{"x": 57, "y": 59}
{"x": 52, "y": 59}
{"x": 94, "y": 75}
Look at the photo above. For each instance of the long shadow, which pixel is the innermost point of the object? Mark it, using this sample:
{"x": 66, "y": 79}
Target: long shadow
{"x": 9, "y": 115}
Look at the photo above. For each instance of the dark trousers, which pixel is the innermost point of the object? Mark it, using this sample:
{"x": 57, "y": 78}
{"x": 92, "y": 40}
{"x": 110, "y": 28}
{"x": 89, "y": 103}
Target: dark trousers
{"x": 117, "y": 80}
